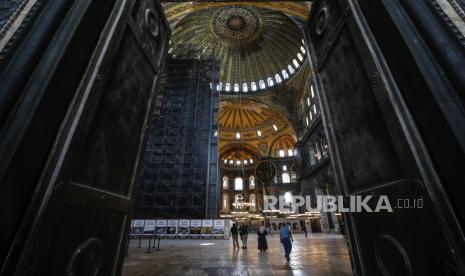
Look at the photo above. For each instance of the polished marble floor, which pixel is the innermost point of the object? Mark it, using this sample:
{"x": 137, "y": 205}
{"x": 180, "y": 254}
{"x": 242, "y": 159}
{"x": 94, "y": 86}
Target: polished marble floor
{"x": 319, "y": 255}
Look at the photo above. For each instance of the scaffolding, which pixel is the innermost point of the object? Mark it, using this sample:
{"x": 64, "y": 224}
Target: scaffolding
{"x": 180, "y": 168}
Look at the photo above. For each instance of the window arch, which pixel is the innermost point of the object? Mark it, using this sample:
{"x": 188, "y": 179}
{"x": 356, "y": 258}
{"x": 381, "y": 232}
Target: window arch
{"x": 238, "y": 200}
{"x": 238, "y": 184}
{"x": 252, "y": 202}
{"x": 245, "y": 87}
{"x": 261, "y": 83}
{"x": 225, "y": 182}
{"x": 225, "y": 202}
{"x": 290, "y": 152}
{"x": 300, "y": 57}
{"x": 227, "y": 88}
{"x": 289, "y": 67}
{"x": 288, "y": 197}
{"x": 236, "y": 87}
{"x": 296, "y": 63}
{"x": 285, "y": 74}
{"x": 286, "y": 177}
{"x": 277, "y": 78}
{"x": 252, "y": 182}
{"x": 253, "y": 85}
{"x": 302, "y": 49}
{"x": 270, "y": 81}
{"x": 281, "y": 153}
{"x": 219, "y": 86}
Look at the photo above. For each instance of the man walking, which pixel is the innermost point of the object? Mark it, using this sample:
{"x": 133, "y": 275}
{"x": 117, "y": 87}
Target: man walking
{"x": 235, "y": 235}
{"x": 286, "y": 239}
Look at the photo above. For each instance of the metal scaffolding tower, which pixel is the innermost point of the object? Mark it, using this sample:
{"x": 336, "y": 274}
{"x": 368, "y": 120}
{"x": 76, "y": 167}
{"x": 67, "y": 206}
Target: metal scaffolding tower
{"x": 181, "y": 166}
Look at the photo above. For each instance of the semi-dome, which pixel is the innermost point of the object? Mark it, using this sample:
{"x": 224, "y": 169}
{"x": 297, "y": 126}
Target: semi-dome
{"x": 254, "y": 128}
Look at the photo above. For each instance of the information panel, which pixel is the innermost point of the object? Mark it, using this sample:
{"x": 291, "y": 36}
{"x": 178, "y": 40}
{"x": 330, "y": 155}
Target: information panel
{"x": 172, "y": 230}
{"x": 183, "y": 228}
{"x": 149, "y": 227}
{"x": 218, "y": 229}
{"x": 160, "y": 228}
{"x": 207, "y": 228}
{"x": 196, "y": 225}
{"x": 137, "y": 227}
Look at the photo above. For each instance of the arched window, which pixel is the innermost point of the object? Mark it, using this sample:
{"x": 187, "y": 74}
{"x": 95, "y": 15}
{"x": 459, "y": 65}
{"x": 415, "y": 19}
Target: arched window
{"x": 296, "y": 63}
{"x": 225, "y": 182}
{"x": 286, "y": 177}
{"x": 281, "y": 153}
{"x": 238, "y": 200}
{"x": 300, "y": 57}
{"x": 227, "y": 87}
{"x": 284, "y": 168}
{"x": 246, "y": 162}
{"x": 306, "y": 120}
{"x": 252, "y": 202}
{"x": 313, "y": 92}
{"x": 285, "y": 74}
{"x": 289, "y": 67}
{"x": 238, "y": 162}
{"x": 262, "y": 84}
{"x": 236, "y": 87}
{"x": 290, "y": 152}
{"x": 252, "y": 182}
{"x": 302, "y": 49}
{"x": 308, "y": 101}
{"x": 225, "y": 202}
{"x": 288, "y": 197}
{"x": 245, "y": 87}
{"x": 219, "y": 86}
{"x": 270, "y": 81}
{"x": 231, "y": 162}
{"x": 277, "y": 78}
{"x": 238, "y": 184}
{"x": 254, "y": 86}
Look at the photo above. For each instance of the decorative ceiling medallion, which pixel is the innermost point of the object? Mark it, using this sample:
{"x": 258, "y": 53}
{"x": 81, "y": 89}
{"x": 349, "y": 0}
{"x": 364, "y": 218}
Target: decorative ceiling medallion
{"x": 236, "y": 26}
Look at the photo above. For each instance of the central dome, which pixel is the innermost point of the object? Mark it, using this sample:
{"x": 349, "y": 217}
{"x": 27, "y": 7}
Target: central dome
{"x": 258, "y": 48}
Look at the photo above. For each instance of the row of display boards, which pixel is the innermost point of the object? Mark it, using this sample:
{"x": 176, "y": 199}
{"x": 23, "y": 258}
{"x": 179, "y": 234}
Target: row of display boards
{"x": 181, "y": 228}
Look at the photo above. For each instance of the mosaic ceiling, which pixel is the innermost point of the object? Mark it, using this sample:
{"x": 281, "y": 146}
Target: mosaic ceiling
{"x": 258, "y": 48}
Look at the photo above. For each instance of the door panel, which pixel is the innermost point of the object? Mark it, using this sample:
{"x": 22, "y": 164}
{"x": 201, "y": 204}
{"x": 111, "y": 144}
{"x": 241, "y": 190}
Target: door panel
{"x": 376, "y": 146}
{"x": 78, "y": 215}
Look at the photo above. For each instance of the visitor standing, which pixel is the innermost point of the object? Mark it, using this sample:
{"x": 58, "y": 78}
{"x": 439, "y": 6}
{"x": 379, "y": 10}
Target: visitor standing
{"x": 304, "y": 229}
{"x": 235, "y": 235}
{"x": 286, "y": 239}
{"x": 261, "y": 234}
{"x": 244, "y": 231}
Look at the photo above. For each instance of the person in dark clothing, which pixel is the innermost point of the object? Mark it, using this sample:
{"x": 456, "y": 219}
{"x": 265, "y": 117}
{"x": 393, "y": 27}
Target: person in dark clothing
{"x": 287, "y": 240}
{"x": 235, "y": 235}
{"x": 262, "y": 244}
{"x": 244, "y": 232}
{"x": 304, "y": 229}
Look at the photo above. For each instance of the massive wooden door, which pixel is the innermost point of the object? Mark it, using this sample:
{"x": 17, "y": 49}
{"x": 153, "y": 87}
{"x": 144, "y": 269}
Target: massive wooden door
{"x": 387, "y": 73}
{"x": 78, "y": 82}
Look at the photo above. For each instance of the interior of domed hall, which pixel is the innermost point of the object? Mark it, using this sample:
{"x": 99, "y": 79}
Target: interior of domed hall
{"x": 154, "y": 137}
